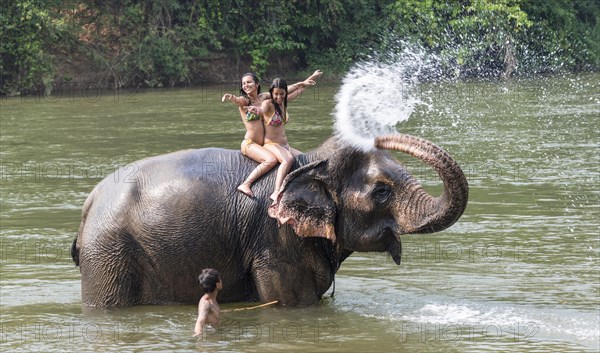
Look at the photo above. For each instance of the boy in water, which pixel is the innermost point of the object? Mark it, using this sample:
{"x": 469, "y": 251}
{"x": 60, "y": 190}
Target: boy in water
{"x": 208, "y": 308}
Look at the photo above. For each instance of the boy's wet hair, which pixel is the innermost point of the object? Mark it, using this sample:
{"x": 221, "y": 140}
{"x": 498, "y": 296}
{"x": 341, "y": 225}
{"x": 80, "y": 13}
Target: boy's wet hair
{"x": 208, "y": 280}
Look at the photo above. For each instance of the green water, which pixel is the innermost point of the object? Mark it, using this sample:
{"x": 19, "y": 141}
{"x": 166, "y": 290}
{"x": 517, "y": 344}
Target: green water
{"x": 518, "y": 272}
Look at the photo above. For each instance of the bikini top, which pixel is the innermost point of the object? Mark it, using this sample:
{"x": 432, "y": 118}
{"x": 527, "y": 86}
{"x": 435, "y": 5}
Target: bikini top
{"x": 251, "y": 116}
{"x": 277, "y": 119}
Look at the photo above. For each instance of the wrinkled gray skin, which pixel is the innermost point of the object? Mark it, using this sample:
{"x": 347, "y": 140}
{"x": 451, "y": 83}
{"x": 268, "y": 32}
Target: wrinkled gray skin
{"x": 148, "y": 231}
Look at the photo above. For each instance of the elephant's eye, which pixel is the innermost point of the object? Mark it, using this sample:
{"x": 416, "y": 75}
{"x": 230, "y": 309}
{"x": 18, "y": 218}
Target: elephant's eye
{"x": 381, "y": 193}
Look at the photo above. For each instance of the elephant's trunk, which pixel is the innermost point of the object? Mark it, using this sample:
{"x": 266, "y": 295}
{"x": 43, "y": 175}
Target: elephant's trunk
{"x": 430, "y": 214}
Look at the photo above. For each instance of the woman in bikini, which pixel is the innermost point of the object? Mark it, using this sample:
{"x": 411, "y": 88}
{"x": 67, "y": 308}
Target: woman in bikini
{"x": 275, "y": 116}
{"x": 252, "y": 145}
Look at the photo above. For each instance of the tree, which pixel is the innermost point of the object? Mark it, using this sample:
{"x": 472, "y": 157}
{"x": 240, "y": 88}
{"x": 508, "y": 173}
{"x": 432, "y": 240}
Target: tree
{"x": 566, "y": 35}
{"x": 25, "y": 28}
{"x": 472, "y": 37}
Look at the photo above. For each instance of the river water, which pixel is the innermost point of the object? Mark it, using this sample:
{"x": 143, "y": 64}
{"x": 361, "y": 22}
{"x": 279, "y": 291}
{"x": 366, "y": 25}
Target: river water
{"x": 519, "y": 272}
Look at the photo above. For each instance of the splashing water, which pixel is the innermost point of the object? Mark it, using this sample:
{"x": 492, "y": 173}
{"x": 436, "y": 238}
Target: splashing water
{"x": 376, "y": 95}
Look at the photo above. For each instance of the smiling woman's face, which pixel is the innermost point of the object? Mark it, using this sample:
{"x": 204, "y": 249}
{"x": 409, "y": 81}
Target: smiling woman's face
{"x": 278, "y": 95}
{"x": 248, "y": 84}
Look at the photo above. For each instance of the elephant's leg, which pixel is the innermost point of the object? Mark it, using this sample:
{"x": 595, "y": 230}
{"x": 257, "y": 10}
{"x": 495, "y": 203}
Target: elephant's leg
{"x": 268, "y": 284}
{"x": 286, "y": 283}
{"x": 113, "y": 272}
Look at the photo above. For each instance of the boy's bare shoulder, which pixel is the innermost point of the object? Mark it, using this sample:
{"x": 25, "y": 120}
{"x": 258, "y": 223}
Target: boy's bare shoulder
{"x": 204, "y": 303}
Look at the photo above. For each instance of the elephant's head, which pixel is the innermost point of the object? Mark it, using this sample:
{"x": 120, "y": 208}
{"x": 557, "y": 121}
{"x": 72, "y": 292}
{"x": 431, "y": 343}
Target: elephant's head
{"x": 364, "y": 201}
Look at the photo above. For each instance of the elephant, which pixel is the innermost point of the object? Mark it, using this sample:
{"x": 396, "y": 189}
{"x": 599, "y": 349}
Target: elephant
{"x": 146, "y": 239}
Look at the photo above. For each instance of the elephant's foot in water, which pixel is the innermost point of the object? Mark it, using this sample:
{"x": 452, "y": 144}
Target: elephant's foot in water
{"x": 245, "y": 188}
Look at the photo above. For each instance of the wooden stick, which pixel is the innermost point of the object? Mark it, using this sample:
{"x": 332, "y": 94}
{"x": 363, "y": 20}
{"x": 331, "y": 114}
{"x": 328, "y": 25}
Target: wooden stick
{"x": 251, "y": 307}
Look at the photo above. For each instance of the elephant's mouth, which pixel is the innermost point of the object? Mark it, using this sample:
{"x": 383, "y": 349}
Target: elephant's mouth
{"x": 393, "y": 245}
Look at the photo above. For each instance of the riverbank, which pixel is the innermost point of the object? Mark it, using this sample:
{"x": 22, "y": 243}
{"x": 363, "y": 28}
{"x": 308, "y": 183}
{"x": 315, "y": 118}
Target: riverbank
{"x": 75, "y": 72}
{"x": 175, "y": 44}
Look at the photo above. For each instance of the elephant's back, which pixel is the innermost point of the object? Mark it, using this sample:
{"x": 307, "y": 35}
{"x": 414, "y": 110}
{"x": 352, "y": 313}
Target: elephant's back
{"x": 192, "y": 164}
{"x": 175, "y": 189}
{"x": 153, "y": 183}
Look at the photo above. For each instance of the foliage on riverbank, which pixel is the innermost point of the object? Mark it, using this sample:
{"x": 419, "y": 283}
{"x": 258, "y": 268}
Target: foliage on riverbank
{"x": 163, "y": 43}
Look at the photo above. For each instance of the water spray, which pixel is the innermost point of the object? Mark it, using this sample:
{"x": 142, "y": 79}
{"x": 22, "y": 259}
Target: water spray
{"x": 376, "y": 95}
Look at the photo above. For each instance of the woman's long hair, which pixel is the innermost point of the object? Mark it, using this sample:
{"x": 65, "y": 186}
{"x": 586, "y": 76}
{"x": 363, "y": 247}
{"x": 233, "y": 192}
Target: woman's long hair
{"x": 255, "y": 79}
{"x": 279, "y": 83}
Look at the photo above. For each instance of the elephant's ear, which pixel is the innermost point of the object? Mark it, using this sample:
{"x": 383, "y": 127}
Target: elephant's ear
{"x": 305, "y": 202}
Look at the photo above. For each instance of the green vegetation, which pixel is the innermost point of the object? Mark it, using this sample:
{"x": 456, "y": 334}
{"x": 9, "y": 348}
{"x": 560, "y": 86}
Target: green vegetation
{"x": 26, "y": 33}
{"x": 165, "y": 43}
